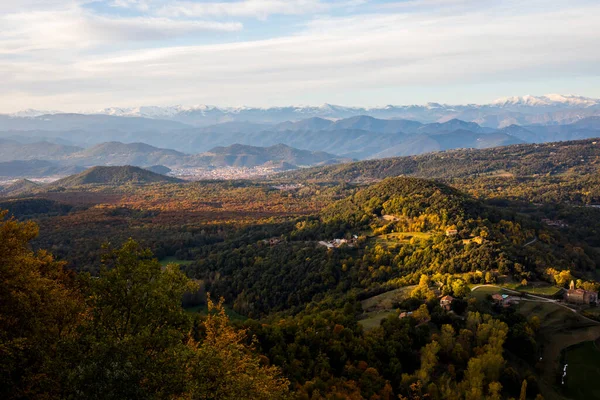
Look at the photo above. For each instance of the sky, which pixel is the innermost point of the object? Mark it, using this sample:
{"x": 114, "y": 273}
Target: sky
{"x": 85, "y": 55}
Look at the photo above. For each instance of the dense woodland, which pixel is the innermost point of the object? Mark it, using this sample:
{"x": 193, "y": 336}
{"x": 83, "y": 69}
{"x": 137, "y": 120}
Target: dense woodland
{"x": 107, "y": 318}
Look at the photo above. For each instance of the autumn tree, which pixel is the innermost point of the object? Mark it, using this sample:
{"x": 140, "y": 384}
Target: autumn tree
{"x": 523, "y": 395}
{"x": 39, "y": 311}
{"x": 224, "y": 367}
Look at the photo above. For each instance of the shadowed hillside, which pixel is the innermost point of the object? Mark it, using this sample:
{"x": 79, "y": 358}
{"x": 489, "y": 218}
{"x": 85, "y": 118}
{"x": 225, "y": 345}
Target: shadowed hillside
{"x": 113, "y": 176}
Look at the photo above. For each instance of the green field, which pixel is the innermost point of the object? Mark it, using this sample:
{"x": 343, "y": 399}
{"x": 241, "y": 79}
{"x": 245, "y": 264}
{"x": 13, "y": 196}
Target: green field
{"x": 380, "y": 307}
{"x": 560, "y": 328}
{"x": 540, "y": 290}
{"x": 536, "y": 288}
{"x": 552, "y": 316}
{"x": 481, "y": 293}
{"x": 174, "y": 260}
{"x": 396, "y": 238}
{"x": 385, "y": 300}
{"x": 583, "y": 371}
{"x": 373, "y": 319}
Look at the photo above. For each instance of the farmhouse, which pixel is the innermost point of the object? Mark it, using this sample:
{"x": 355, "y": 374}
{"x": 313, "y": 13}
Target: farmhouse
{"x": 451, "y": 232}
{"x": 446, "y": 302}
{"x": 555, "y": 222}
{"x": 504, "y": 300}
{"x": 580, "y": 296}
{"x": 335, "y": 243}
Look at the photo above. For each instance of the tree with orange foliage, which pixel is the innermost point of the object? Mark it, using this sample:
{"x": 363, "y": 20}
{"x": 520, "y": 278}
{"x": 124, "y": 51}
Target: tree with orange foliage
{"x": 224, "y": 367}
{"x": 40, "y": 308}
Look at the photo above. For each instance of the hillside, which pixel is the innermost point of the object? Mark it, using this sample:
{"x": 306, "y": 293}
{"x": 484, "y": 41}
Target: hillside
{"x": 356, "y": 136}
{"x": 19, "y": 187}
{"x": 14, "y": 150}
{"x": 159, "y": 169}
{"x": 518, "y": 160}
{"x": 239, "y": 155}
{"x": 117, "y": 153}
{"x": 407, "y": 197}
{"x": 113, "y": 176}
{"x": 35, "y": 169}
{"x": 364, "y": 137}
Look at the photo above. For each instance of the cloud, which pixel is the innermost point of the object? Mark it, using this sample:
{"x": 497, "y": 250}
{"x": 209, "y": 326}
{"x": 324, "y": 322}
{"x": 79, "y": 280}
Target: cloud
{"x": 74, "y": 28}
{"x": 247, "y": 8}
{"x": 330, "y": 57}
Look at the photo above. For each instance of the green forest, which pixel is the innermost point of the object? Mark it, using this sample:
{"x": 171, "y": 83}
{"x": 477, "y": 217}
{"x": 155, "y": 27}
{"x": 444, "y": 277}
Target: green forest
{"x": 369, "y": 280}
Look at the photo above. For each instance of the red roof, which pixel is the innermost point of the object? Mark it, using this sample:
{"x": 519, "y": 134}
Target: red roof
{"x": 447, "y": 298}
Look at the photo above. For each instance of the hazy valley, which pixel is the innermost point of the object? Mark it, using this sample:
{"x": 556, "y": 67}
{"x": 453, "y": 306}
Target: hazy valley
{"x": 55, "y": 145}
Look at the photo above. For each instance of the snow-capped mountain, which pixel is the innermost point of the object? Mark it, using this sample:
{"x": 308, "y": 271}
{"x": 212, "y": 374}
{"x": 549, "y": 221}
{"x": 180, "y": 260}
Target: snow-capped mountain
{"x": 556, "y": 100}
{"x": 521, "y": 110}
{"x": 32, "y": 113}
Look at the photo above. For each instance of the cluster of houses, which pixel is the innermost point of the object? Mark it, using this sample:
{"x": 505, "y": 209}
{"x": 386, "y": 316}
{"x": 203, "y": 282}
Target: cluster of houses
{"x": 580, "y": 296}
{"x": 335, "y": 243}
{"x": 573, "y": 295}
{"x": 559, "y": 223}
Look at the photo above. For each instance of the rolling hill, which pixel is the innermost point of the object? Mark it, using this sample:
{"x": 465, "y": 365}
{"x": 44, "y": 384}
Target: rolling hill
{"x": 35, "y": 169}
{"x": 117, "y": 153}
{"x": 13, "y": 150}
{"x": 574, "y": 157}
{"x": 113, "y": 176}
{"x": 19, "y": 187}
{"x": 238, "y": 155}
{"x": 360, "y": 137}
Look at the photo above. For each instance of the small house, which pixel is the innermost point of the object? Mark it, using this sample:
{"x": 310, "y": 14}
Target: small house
{"x": 451, "y": 232}
{"x": 446, "y": 302}
{"x": 504, "y": 300}
{"x": 497, "y": 298}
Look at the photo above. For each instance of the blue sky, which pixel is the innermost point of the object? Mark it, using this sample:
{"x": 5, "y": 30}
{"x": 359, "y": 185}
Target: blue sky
{"x": 83, "y": 55}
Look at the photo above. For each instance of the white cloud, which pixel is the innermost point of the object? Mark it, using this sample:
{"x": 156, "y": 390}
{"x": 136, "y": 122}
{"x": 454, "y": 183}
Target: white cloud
{"x": 245, "y": 8}
{"x": 329, "y": 58}
{"x": 24, "y": 32}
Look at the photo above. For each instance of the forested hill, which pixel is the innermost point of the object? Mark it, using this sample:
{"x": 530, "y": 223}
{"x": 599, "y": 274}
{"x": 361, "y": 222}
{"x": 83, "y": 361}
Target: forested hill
{"x": 582, "y": 156}
{"x": 113, "y": 176}
{"x": 407, "y": 197}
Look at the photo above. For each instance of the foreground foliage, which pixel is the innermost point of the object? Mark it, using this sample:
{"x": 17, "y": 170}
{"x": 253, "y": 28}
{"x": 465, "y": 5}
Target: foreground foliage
{"x": 120, "y": 335}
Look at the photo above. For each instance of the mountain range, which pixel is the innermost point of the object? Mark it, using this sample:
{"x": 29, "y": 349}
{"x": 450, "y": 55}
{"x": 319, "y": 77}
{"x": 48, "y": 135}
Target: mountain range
{"x": 65, "y": 160}
{"x": 33, "y": 146}
{"x": 236, "y": 144}
{"x": 548, "y": 109}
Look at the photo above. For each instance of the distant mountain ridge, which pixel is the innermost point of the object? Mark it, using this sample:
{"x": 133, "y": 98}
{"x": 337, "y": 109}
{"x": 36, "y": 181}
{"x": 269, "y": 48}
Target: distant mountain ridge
{"x": 19, "y": 187}
{"x": 550, "y": 109}
{"x": 13, "y": 150}
{"x": 35, "y": 169}
{"x": 117, "y": 153}
{"x": 238, "y": 155}
{"x": 358, "y": 137}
